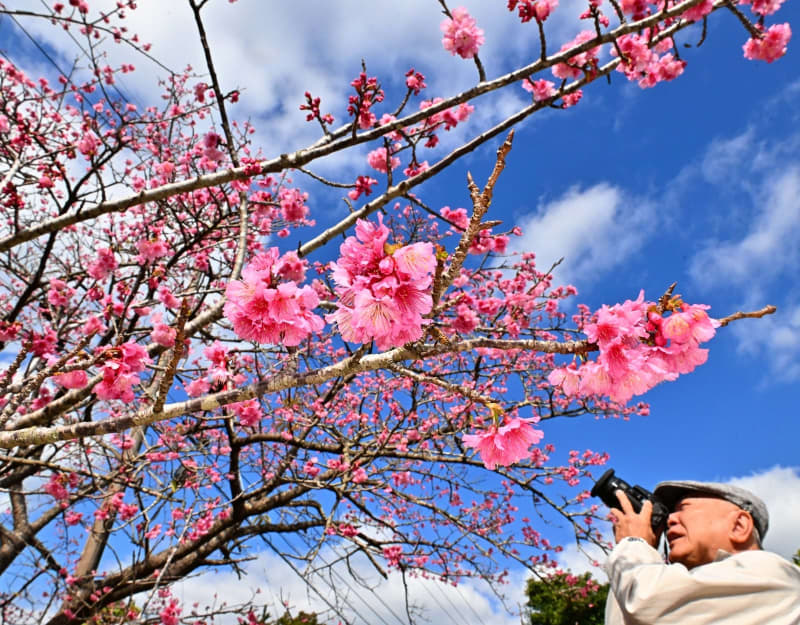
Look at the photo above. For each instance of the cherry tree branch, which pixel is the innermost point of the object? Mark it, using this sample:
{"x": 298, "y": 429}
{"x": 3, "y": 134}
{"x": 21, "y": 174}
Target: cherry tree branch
{"x": 305, "y": 156}
{"x": 757, "y": 314}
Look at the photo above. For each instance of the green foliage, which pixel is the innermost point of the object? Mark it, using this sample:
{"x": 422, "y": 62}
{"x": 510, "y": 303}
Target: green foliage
{"x": 565, "y": 599}
{"x": 796, "y": 558}
{"x": 120, "y": 613}
{"x": 301, "y": 618}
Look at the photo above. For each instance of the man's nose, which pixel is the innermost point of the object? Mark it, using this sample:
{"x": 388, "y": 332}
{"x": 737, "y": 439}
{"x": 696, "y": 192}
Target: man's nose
{"x": 672, "y": 519}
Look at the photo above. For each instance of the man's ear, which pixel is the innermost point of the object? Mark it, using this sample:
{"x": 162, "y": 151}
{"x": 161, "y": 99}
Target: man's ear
{"x": 742, "y": 530}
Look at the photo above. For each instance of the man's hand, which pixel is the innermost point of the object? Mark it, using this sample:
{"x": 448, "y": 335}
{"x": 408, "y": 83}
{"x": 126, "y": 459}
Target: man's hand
{"x": 629, "y": 523}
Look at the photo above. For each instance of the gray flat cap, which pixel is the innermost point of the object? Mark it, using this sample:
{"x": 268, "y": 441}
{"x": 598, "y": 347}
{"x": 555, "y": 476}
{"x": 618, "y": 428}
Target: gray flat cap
{"x": 672, "y": 492}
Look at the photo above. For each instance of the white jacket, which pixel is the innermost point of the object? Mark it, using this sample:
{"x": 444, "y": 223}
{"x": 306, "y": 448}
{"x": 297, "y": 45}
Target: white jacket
{"x": 747, "y": 588}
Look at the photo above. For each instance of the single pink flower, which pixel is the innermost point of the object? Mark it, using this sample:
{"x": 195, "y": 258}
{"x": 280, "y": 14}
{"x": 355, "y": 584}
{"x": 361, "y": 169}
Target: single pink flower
{"x": 377, "y": 159}
{"x": 567, "y": 378}
{"x": 416, "y": 262}
{"x": 72, "y": 379}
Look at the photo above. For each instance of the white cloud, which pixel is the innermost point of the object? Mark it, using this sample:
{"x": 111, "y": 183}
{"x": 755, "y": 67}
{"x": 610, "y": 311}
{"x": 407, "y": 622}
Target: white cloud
{"x": 726, "y": 155}
{"x": 769, "y": 246}
{"x": 779, "y": 487}
{"x": 777, "y": 338}
{"x": 593, "y": 229}
{"x": 276, "y": 52}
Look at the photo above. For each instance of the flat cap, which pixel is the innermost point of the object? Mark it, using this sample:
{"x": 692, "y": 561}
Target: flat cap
{"x": 672, "y": 492}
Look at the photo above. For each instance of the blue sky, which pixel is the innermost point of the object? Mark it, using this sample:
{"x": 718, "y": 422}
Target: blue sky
{"x": 695, "y": 181}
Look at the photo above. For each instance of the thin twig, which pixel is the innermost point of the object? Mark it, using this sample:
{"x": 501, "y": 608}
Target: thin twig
{"x": 756, "y": 314}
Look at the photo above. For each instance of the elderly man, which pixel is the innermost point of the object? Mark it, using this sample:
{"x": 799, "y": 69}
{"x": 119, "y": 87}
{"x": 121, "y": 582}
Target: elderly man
{"x": 717, "y": 573}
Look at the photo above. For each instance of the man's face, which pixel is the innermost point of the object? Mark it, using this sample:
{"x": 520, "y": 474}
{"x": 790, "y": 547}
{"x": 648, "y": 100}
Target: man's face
{"x": 698, "y": 528}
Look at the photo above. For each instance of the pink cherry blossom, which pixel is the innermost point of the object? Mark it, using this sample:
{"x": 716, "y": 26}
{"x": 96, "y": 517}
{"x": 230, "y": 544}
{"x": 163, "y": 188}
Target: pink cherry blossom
{"x": 93, "y": 325}
{"x": 44, "y": 343}
{"x": 466, "y": 319}
{"x": 414, "y": 81}
{"x": 363, "y": 185}
{"x": 291, "y": 267}
{"x": 150, "y": 250}
{"x": 698, "y": 11}
{"x": 249, "y": 412}
{"x": 449, "y": 118}
{"x": 162, "y": 333}
{"x": 578, "y": 64}
{"x": 457, "y": 216}
{"x": 506, "y": 444}
{"x": 461, "y": 34}
{"x": 59, "y": 293}
{"x": 637, "y": 8}
{"x": 116, "y": 384}
{"x": 415, "y": 262}
{"x": 377, "y": 160}
{"x": 541, "y": 89}
{"x": 264, "y": 310}
{"x": 763, "y": 7}
{"x": 167, "y": 297}
{"x": 292, "y": 203}
{"x": 638, "y": 349}
{"x": 197, "y": 387}
{"x": 103, "y": 265}
{"x": 72, "y": 517}
{"x": 88, "y": 144}
{"x": 771, "y": 46}
{"x": 530, "y": 9}
{"x": 210, "y": 142}
{"x": 134, "y": 356}
{"x": 72, "y": 379}
{"x": 217, "y": 353}
{"x": 383, "y": 293}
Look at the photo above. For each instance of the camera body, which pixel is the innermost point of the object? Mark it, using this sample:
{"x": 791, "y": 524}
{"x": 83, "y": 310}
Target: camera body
{"x": 609, "y": 483}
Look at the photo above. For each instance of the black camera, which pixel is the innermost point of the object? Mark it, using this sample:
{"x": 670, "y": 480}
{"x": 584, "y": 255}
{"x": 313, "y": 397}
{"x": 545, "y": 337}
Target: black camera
{"x": 609, "y": 483}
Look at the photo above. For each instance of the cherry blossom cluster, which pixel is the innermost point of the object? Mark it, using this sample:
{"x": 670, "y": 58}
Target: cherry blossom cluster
{"x": 312, "y": 106}
{"x": 368, "y": 93}
{"x": 527, "y": 10}
{"x": 383, "y": 289}
{"x": 638, "y": 349}
{"x": 363, "y": 185}
{"x": 463, "y": 37}
{"x": 771, "y": 46}
{"x": 384, "y": 159}
{"x": 219, "y": 369}
{"x": 506, "y": 443}
{"x": 121, "y": 372}
{"x": 484, "y": 241}
{"x": 461, "y": 34}
{"x": 267, "y": 306}
{"x": 643, "y": 64}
